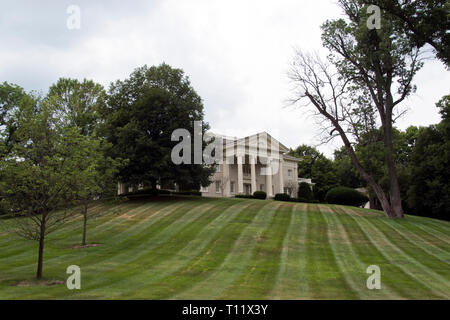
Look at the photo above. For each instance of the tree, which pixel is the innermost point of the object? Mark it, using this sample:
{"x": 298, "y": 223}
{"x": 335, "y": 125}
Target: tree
{"x": 346, "y": 173}
{"x": 317, "y": 167}
{"x": 79, "y": 105}
{"x": 422, "y": 21}
{"x": 372, "y": 74}
{"x": 141, "y": 115}
{"x": 324, "y": 177}
{"x": 95, "y": 178}
{"x": 308, "y": 155}
{"x": 11, "y": 97}
{"x": 429, "y": 188}
{"x": 39, "y": 176}
{"x": 304, "y": 191}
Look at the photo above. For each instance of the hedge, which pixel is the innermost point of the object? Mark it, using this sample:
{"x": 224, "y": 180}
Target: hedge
{"x": 346, "y": 196}
{"x": 261, "y": 195}
{"x": 283, "y": 197}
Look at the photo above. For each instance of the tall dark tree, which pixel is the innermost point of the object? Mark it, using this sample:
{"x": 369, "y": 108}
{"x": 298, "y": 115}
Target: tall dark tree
{"x": 141, "y": 115}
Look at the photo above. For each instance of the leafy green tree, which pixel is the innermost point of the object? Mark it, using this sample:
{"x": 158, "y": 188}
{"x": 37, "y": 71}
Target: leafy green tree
{"x": 317, "y": 167}
{"x": 79, "y": 105}
{"x": 141, "y": 115}
{"x": 304, "y": 191}
{"x": 324, "y": 177}
{"x": 95, "y": 179}
{"x": 346, "y": 173}
{"x": 40, "y": 175}
{"x": 308, "y": 155}
{"x": 11, "y": 98}
{"x": 422, "y": 21}
{"x": 429, "y": 191}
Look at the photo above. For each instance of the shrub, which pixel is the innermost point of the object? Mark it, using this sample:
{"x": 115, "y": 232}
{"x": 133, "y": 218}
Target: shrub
{"x": 346, "y": 196}
{"x": 189, "y": 193}
{"x": 244, "y": 196}
{"x": 282, "y": 197}
{"x": 304, "y": 191}
{"x": 261, "y": 195}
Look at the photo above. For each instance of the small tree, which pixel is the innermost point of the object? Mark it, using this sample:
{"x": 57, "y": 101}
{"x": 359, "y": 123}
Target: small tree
{"x": 79, "y": 104}
{"x": 39, "y": 176}
{"x": 95, "y": 179}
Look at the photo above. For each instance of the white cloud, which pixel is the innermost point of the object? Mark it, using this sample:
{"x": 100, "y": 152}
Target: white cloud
{"x": 236, "y": 54}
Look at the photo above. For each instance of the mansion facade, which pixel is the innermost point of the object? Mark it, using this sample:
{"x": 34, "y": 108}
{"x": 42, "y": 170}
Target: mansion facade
{"x": 254, "y": 163}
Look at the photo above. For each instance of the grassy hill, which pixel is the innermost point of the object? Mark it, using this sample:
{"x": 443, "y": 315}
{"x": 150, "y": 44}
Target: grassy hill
{"x": 194, "y": 248}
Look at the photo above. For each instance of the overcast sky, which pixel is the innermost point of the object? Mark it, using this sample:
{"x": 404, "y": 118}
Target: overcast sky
{"x": 236, "y": 54}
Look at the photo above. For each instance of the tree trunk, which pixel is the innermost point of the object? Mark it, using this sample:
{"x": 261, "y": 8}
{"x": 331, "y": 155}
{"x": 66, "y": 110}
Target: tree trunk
{"x": 41, "y": 247}
{"x": 85, "y": 209}
{"x": 394, "y": 188}
{"x": 388, "y": 209}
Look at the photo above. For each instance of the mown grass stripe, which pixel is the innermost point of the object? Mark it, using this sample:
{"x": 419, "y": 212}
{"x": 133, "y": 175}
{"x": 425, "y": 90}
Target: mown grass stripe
{"x": 323, "y": 272}
{"x": 384, "y": 243}
{"x": 64, "y": 250}
{"x": 422, "y": 262}
{"x": 260, "y": 275}
{"x": 133, "y": 261}
{"x": 232, "y": 260}
{"x": 402, "y": 282}
{"x": 419, "y": 242}
{"x": 293, "y": 259}
{"x": 189, "y": 254}
{"x": 351, "y": 262}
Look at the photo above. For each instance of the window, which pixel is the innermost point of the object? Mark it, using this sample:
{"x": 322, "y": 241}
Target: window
{"x": 232, "y": 186}
{"x": 217, "y": 186}
{"x": 290, "y": 174}
{"x": 246, "y": 169}
{"x": 261, "y": 187}
{"x": 204, "y": 189}
{"x": 217, "y": 167}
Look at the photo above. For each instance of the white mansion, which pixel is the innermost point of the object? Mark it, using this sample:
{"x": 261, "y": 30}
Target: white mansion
{"x": 254, "y": 163}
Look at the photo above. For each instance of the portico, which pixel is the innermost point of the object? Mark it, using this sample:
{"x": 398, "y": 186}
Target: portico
{"x": 255, "y": 163}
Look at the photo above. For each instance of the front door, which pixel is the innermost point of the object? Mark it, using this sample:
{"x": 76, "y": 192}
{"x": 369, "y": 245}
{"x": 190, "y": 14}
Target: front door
{"x": 248, "y": 189}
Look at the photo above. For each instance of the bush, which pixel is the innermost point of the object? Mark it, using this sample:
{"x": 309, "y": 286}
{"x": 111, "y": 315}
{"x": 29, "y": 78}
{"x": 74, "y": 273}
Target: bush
{"x": 282, "y": 197}
{"x": 261, "y": 195}
{"x": 188, "y": 193}
{"x": 304, "y": 191}
{"x": 244, "y": 196}
{"x": 346, "y": 196}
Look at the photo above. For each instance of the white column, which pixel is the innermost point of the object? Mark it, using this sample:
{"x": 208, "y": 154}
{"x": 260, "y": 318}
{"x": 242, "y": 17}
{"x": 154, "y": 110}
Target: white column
{"x": 240, "y": 175}
{"x": 253, "y": 172}
{"x": 226, "y": 179}
{"x": 269, "y": 179}
{"x": 119, "y": 188}
{"x": 281, "y": 174}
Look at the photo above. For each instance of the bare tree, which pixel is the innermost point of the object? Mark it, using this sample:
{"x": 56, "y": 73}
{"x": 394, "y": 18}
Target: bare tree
{"x": 342, "y": 114}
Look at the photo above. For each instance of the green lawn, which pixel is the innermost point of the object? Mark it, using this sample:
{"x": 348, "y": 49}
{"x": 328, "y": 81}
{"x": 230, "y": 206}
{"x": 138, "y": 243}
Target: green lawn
{"x": 196, "y": 248}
